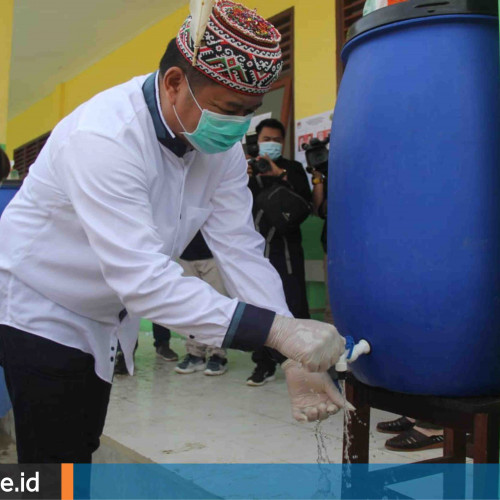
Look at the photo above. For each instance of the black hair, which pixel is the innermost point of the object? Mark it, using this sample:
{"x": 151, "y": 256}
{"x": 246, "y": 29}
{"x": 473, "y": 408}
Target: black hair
{"x": 174, "y": 58}
{"x": 271, "y": 123}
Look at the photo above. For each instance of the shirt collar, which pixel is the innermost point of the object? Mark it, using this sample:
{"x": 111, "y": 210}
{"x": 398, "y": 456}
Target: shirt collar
{"x": 164, "y": 133}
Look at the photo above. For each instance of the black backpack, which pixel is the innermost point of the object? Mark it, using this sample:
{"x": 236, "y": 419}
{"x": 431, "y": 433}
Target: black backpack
{"x": 278, "y": 207}
{"x": 279, "y": 210}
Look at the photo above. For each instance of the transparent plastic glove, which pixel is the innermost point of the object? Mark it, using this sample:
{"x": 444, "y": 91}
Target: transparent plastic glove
{"x": 317, "y": 346}
{"x": 313, "y": 395}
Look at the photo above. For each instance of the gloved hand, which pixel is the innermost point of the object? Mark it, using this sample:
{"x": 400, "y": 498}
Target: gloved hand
{"x": 313, "y": 395}
{"x": 317, "y": 346}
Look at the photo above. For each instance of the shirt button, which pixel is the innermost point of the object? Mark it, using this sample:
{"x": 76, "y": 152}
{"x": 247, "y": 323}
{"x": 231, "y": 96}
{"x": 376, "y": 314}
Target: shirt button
{"x": 111, "y": 358}
{"x": 112, "y": 348}
{"x": 191, "y": 336}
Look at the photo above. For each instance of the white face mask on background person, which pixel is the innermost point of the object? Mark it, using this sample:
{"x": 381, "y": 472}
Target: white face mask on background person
{"x": 271, "y": 148}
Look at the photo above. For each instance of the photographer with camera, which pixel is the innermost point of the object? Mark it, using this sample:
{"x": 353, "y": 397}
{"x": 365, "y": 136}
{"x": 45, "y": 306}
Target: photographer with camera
{"x": 282, "y": 198}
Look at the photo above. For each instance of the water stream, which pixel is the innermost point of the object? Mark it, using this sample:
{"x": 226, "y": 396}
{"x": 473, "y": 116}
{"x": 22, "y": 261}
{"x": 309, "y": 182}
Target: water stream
{"x": 347, "y": 420}
{"x": 321, "y": 440}
{"x": 324, "y": 489}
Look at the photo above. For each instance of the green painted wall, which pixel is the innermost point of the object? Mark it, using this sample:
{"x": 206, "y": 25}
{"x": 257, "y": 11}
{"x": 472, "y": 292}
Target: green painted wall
{"x": 311, "y": 233}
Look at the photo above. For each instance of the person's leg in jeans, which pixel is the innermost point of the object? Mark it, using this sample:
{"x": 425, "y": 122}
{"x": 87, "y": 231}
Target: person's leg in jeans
{"x": 216, "y": 356}
{"x": 59, "y": 402}
{"x": 196, "y": 358}
{"x": 162, "y": 336}
{"x": 196, "y": 348}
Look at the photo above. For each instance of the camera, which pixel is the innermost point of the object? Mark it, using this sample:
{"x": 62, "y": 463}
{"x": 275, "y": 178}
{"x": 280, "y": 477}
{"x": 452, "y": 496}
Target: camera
{"x": 317, "y": 155}
{"x": 259, "y": 165}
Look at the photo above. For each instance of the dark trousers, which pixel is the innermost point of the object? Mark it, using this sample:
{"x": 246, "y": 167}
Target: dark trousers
{"x": 294, "y": 283}
{"x": 58, "y": 400}
{"x": 294, "y": 286}
{"x": 264, "y": 360}
{"x": 161, "y": 335}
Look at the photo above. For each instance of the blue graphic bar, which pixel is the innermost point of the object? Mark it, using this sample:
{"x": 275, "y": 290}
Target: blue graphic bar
{"x": 286, "y": 481}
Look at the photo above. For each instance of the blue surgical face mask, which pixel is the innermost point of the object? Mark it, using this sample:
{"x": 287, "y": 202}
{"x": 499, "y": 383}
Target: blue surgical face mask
{"x": 215, "y": 133}
{"x": 272, "y": 149}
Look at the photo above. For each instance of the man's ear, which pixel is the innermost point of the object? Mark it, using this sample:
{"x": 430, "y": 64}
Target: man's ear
{"x": 172, "y": 80}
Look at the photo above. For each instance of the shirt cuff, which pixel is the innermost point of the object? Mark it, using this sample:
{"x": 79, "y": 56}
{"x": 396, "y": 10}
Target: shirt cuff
{"x": 249, "y": 327}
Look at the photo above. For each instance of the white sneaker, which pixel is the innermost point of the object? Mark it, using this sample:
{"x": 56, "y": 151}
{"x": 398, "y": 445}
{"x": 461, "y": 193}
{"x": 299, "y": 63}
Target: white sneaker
{"x": 190, "y": 364}
{"x": 216, "y": 366}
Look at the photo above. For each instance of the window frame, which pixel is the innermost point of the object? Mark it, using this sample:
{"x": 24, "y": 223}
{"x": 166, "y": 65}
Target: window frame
{"x": 343, "y": 23}
{"x": 26, "y": 154}
{"x": 286, "y": 79}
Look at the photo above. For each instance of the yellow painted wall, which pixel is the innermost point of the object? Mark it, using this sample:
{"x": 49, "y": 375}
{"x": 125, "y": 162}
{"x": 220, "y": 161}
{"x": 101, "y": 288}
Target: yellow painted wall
{"x": 35, "y": 121}
{"x": 315, "y": 79}
{"x": 6, "y": 17}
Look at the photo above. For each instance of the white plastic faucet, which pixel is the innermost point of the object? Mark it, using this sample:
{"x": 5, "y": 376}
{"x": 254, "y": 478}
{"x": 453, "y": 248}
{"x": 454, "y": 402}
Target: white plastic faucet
{"x": 352, "y": 353}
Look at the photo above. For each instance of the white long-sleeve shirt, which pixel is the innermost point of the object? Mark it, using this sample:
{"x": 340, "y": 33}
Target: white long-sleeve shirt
{"x": 111, "y": 200}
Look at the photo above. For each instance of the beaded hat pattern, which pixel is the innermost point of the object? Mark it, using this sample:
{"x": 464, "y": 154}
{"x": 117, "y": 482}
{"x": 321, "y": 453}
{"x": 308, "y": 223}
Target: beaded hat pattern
{"x": 240, "y": 49}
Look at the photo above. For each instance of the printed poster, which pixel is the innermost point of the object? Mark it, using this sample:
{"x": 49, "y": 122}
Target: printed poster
{"x": 313, "y": 126}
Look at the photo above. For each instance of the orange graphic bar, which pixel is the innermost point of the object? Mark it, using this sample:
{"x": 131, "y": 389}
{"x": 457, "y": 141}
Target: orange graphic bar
{"x": 66, "y": 481}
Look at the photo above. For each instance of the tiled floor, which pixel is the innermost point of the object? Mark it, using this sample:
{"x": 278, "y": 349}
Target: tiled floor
{"x": 170, "y": 418}
{"x": 8, "y": 454}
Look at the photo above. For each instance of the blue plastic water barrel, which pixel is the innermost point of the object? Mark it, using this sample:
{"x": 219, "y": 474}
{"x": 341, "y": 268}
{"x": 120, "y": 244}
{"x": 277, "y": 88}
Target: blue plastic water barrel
{"x": 7, "y": 191}
{"x": 414, "y": 198}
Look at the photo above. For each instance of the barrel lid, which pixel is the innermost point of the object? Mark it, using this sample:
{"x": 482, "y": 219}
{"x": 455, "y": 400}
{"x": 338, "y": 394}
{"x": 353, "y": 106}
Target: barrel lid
{"x": 413, "y": 9}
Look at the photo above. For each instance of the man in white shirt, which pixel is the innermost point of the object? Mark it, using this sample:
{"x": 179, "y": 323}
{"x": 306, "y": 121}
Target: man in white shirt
{"x": 88, "y": 245}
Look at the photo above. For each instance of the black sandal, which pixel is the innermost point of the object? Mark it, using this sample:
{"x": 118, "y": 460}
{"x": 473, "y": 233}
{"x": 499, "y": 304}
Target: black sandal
{"x": 414, "y": 440}
{"x": 401, "y": 424}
